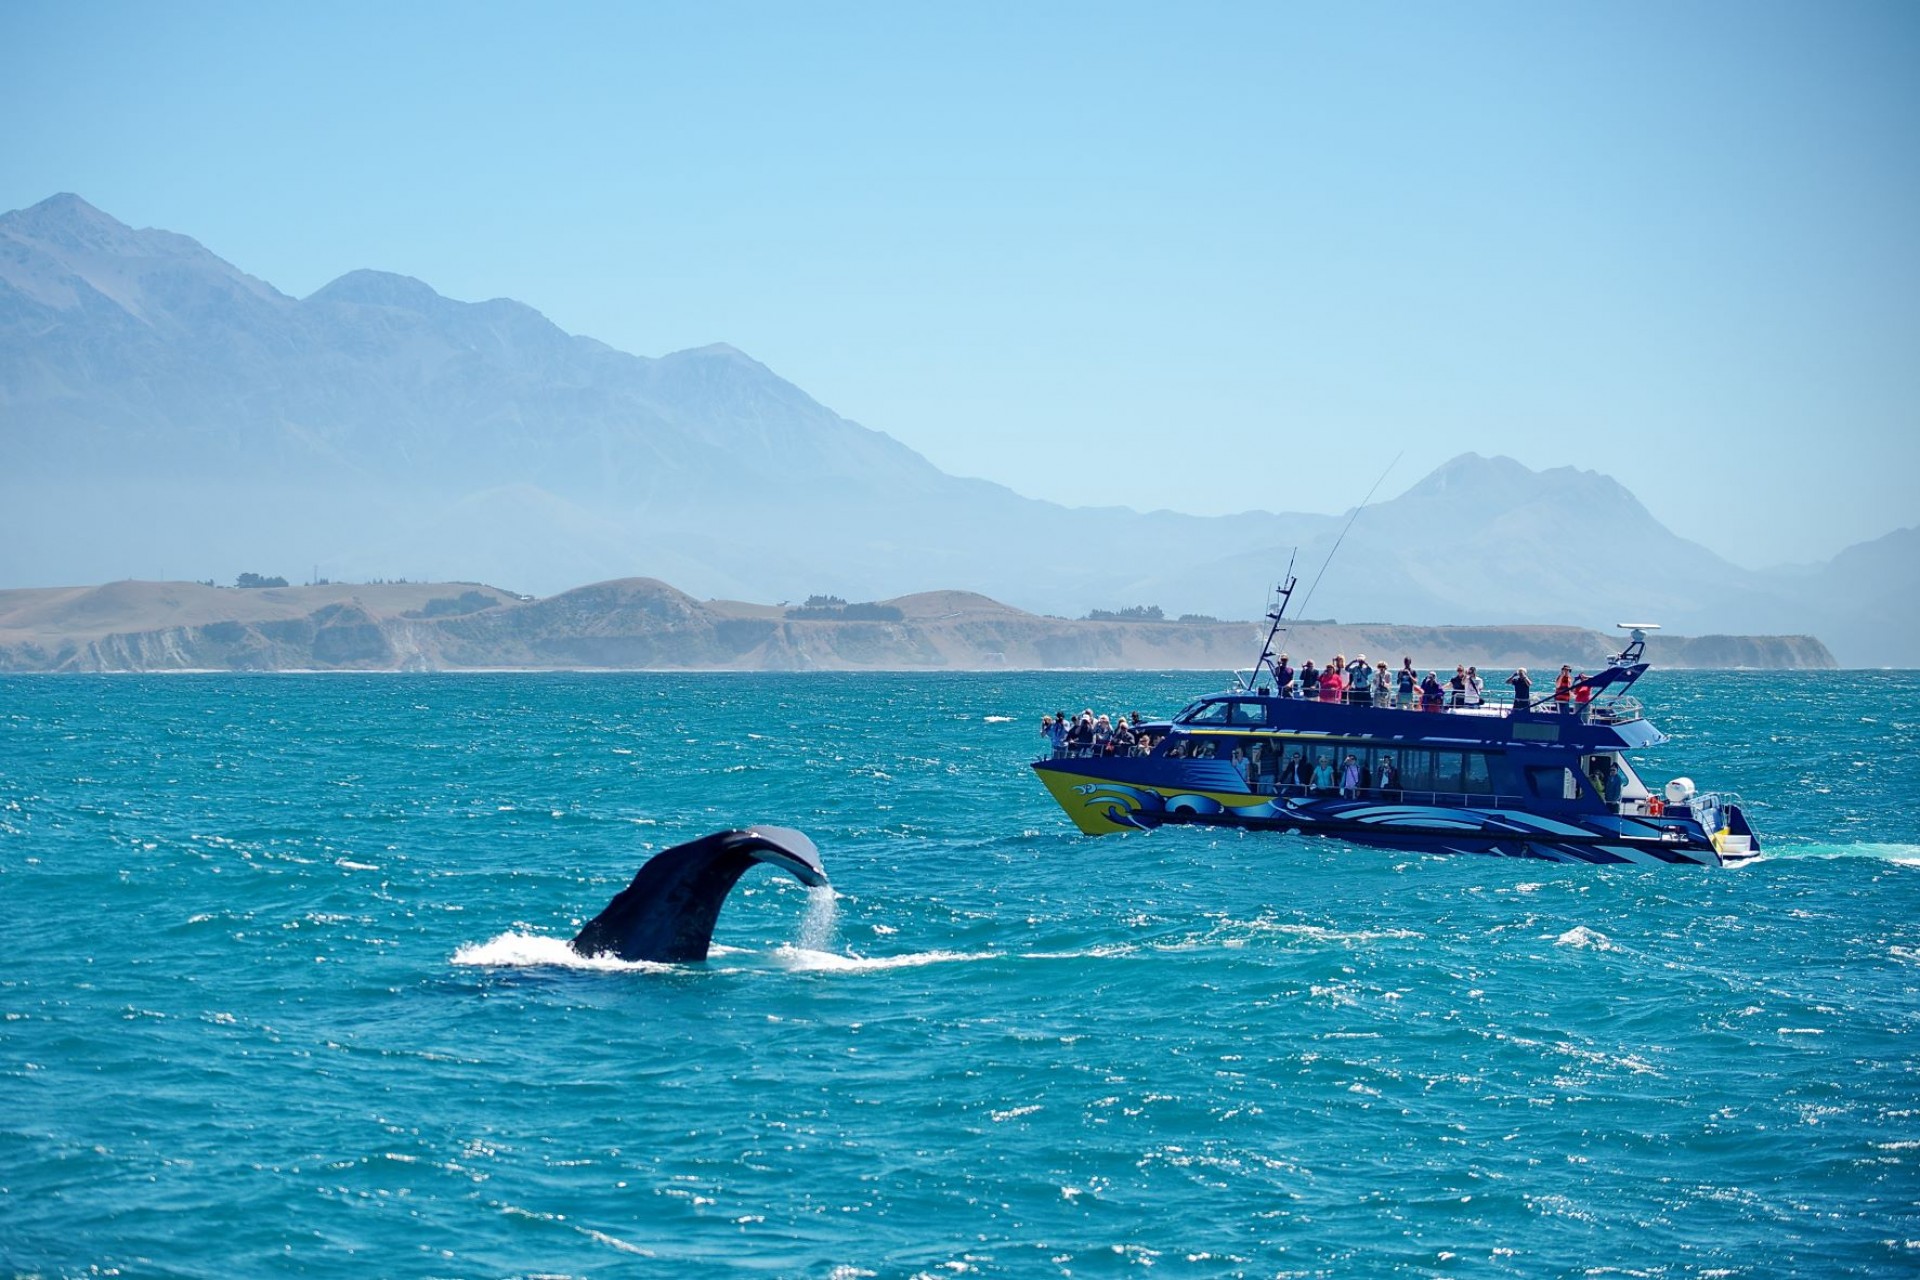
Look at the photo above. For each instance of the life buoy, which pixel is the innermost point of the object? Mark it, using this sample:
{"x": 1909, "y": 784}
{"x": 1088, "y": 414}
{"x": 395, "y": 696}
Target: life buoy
{"x": 1655, "y": 807}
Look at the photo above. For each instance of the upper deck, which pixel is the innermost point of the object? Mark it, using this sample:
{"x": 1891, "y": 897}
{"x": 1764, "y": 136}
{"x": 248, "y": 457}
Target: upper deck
{"x": 1613, "y": 725}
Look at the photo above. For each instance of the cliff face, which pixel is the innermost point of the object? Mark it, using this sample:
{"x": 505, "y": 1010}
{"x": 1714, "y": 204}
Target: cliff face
{"x": 643, "y": 623}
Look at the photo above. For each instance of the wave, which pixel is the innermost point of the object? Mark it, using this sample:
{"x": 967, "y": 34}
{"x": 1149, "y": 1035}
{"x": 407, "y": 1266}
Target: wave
{"x": 802, "y": 960}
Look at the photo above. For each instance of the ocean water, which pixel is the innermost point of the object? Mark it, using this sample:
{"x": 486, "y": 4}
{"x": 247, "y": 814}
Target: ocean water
{"x": 284, "y": 990}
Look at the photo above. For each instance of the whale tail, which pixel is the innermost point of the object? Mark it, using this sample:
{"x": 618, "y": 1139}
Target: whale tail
{"x": 668, "y": 912}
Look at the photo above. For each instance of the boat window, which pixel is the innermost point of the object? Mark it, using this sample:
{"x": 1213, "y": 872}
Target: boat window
{"x": 1248, "y": 712}
{"x": 1446, "y": 771}
{"x": 1416, "y": 769}
{"x": 1553, "y": 782}
{"x": 1206, "y": 713}
{"x": 1477, "y": 780}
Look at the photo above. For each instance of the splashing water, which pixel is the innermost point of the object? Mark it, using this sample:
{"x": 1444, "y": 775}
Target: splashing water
{"x": 822, "y": 921}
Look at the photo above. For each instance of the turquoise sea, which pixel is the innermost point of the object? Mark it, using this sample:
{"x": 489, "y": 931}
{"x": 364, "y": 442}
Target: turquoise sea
{"x": 284, "y": 992}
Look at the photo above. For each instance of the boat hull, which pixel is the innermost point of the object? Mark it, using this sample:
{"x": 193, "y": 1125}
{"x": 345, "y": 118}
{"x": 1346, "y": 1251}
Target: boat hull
{"x": 1104, "y": 805}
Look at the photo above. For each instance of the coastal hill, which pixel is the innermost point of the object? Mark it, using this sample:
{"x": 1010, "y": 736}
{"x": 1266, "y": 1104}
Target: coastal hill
{"x": 163, "y": 413}
{"x": 641, "y": 623}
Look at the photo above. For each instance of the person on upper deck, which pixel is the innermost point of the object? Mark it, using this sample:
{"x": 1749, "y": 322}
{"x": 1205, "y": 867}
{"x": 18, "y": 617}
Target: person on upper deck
{"x": 1432, "y": 696}
{"x": 1476, "y": 687}
{"x": 1382, "y": 686}
{"x": 1331, "y": 682}
{"x": 1283, "y": 677}
{"x": 1309, "y": 680}
{"x": 1360, "y": 681}
{"x": 1582, "y": 694}
{"x": 1457, "y": 687}
{"x": 1405, "y": 683}
{"x": 1522, "y": 689}
{"x": 1563, "y": 690}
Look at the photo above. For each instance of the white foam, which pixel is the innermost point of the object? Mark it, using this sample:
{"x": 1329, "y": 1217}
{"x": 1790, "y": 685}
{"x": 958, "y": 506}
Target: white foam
{"x": 799, "y": 959}
{"x": 529, "y": 951}
{"x": 1586, "y": 939}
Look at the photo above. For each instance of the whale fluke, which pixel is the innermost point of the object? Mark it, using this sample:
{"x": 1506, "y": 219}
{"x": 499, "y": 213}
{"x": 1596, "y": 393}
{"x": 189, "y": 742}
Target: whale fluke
{"x": 667, "y": 913}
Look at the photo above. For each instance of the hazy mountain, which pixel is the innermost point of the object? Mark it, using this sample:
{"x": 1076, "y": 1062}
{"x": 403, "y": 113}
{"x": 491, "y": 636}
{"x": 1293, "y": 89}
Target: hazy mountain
{"x": 163, "y": 413}
{"x": 644, "y": 623}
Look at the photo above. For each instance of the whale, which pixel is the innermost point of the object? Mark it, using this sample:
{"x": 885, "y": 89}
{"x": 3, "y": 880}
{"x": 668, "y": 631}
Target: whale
{"x": 667, "y": 914}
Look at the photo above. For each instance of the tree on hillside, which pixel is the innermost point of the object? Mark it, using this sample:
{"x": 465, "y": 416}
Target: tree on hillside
{"x": 255, "y": 580}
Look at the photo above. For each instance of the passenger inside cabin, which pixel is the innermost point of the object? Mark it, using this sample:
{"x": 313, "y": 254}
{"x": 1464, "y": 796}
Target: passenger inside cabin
{"x": 1323, "y": 775}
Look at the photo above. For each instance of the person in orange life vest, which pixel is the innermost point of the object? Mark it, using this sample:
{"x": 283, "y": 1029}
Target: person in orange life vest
{"x": 1563, "y": 689}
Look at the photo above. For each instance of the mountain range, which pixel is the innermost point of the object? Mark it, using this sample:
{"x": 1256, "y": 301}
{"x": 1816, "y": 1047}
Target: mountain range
{"x": 162, "y": 412}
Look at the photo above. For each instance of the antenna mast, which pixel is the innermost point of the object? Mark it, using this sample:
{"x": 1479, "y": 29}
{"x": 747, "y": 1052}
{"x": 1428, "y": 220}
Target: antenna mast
{"x": 1276, "y": 610}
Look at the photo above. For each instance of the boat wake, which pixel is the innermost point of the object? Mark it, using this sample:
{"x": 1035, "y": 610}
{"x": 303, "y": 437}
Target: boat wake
{"x": 1907, "y": 855}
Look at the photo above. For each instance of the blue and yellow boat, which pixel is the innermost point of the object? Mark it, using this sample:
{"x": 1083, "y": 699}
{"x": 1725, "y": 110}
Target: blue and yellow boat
{"x": 1542, "y": 779}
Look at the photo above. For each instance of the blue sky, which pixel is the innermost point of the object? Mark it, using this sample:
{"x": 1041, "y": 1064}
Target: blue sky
{"x": 1210, "y": 257}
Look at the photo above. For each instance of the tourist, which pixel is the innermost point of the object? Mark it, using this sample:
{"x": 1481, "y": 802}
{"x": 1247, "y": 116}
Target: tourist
{"x": 1289, "y": 778}
{"x": 1457, "y": 687}
{"x": 1382, "y": 686}
{"x": 1522, "y": 689}
{"x": 1283, "y": 677}
{"x": 1563, "y": 690}
{"x": 1309, "y": 680}
{"x": 1350, "y": 778}
{"x": 1359, "y": 681}
{"x": 1389, "y": 778}
{"x": 1405, "y": 683}
{"x": 1331, "y": 682}
{"x": 1432, "y": 697}
{"x": 1476, "y": 687}
{"x": 1323, "y": 775}
{"x": 1582, "y": 695}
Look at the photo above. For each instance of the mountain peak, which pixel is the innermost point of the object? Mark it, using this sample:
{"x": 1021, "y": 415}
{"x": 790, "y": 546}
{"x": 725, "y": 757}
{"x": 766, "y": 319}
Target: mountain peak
{"x": 65, "y": 222}
{"x": 379, "y": 289}
{"x": 1471, "y": 473}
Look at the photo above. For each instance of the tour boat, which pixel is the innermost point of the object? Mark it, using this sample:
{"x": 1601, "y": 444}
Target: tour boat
{"x": 1544, "y": 779}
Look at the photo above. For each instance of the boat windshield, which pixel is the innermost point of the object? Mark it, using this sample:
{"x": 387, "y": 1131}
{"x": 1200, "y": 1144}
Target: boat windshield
{"x": 1247, "y": 711}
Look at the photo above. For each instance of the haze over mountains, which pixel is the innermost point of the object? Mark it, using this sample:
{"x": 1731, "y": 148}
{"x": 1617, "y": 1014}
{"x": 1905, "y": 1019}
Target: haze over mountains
{"x": 164, "y": 414}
